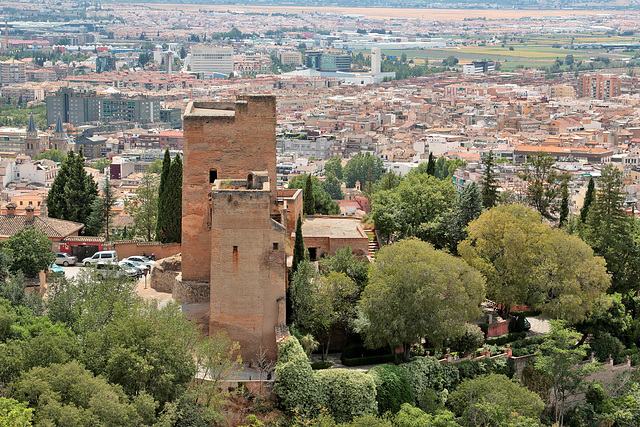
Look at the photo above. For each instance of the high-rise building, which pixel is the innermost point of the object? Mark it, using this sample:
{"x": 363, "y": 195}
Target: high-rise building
{"x": 376, "y": 60}
{"x": 323, "y": 62}
{"x": 80, "y": 107}
{"x": 601, "y": 86}
{"x": 212, "y": 61}
{"x": 12, "y": 72}
{"x": 105, "y": 61}
{"x": 479, "y": 67}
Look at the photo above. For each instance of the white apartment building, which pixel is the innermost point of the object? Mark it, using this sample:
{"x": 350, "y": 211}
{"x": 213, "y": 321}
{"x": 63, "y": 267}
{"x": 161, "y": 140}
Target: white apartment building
{"x": 212, "y": 61}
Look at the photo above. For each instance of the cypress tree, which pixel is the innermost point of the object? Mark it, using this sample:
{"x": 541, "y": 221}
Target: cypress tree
{"x": 308, "y": 199}
{"x": 489, "y": 181}
{"x": 468, "y": 207}
{"x": 431, "y": 165}
{"x": 588, "y": 199}
{"x": 564, "y": 204}
{"x": 162, "y": 214}
{"x": 101, "y": 212}
{"x": 298, "y": 247}
{"x": 73, "y": 191}
{"x": 172, "y": 208}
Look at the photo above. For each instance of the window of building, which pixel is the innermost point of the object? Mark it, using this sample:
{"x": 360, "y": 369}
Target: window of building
{"x": 275, "y": 246}
{"x": 235, "y": 249}
{"x": 213, "y": 175}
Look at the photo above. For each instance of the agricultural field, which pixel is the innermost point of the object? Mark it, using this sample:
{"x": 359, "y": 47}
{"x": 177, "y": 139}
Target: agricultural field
{"x": 531, "y": 52}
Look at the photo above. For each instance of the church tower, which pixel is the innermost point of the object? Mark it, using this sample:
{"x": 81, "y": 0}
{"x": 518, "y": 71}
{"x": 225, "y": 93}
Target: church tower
{"x": 59, "y": 139}
{"x": 32, "y": 140}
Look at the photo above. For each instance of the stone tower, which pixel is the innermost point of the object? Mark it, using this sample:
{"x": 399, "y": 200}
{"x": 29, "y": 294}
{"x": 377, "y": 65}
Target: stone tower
{"x": 32, "y": 140}
{"x": 233, "y": 236}
{"x": 59, "y": 139}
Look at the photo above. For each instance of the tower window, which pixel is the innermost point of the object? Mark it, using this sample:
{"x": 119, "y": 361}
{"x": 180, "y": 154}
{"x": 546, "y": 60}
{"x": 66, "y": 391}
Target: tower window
{"x": 275, "y": 246}
{"x": 213, "y": 175}
{"x": 235, "y": 249}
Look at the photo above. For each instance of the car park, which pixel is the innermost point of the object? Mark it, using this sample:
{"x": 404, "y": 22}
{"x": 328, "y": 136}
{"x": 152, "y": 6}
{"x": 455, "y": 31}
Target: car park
{"x": 63, "y": 258}
{"x": 110, "y": 269}
{"x": 101, "y": 257}
{"x": 140, "y": 269}
{"x": 142, "y": 260}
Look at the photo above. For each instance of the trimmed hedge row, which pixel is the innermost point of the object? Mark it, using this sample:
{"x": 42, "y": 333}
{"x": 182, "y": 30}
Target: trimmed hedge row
{"x": 506, "y": 338}
{"x": 370, "y": 360}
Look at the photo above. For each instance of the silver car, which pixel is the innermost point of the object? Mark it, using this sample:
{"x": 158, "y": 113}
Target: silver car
{"x": 65, "y": 259}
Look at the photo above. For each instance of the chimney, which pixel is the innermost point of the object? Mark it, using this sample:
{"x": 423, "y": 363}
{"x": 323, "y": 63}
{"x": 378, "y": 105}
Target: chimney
{"x": 11, "y": 208}
{"x": 29, "y": 209}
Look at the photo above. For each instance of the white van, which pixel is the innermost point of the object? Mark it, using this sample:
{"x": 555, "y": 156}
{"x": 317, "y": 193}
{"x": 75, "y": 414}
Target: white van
{"x": 101, "y": 257}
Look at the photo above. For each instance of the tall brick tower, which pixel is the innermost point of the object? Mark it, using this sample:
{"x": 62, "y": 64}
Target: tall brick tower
{"x": 232, "y": 231}
{"x": 32, "y": 140}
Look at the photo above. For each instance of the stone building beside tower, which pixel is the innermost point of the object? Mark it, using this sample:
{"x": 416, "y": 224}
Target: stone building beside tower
{"x": 233, "y": 223}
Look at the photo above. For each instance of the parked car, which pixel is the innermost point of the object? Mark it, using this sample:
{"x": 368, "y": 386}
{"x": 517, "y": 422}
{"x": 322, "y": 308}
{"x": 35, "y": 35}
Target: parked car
{"x": 101, "y": 257}
{"x": 63, "y": 258}
{"x": 54, "y": 269}
{"x": 144, "y": 267}
{"x": 140, "y": 269}
{"x": 111, "y": 269}
{"x": 142, "y": 260}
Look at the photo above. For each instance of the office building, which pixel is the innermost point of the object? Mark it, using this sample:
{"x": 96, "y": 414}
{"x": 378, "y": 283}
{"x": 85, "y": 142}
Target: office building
{"x": 211, "y": 61}
{"x": 12, "y": 72}
{"x": 323, "y": 62}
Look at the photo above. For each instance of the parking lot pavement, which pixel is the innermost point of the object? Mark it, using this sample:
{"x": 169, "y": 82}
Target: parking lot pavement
{"x": 71, "y": 271}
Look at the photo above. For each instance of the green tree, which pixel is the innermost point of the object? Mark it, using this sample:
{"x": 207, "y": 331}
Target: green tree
{"x": 68, "y": 394}
{"x": 100, "y": 164}
{"x": 308, "y": 199}
{"x": 73, "y": 191}
{"x": 564, "y": 204}
{"x": 416, "y": 292}
{"x": 413, "y": 209}
{"x": 473, "y": 397}
{"x": 489, "y": 181}
{"x": 102, "y": 212}
{"x": 613, "y": 234}
{"x": 559, "y": 362}
{"x": 445, "y": 168}
{"x": 363, "y": 167}
{"x": 155, "y": 167}
{"x": 144, "y": 208}
{"x": 588, "y": 199}
{"x": 299, "y": 251}
{"x": 53, "y": 155}
{"x": 331, "y": 185}
{"x": 163, "y": 217}
{"x": 170, "y": 204}
{"x": 333, "y": 166}
{"x": 345, "y": 261}
{"x": 431, "y": 165}
{"x": 14, "y": 413}
{"x": 410, "y": 416}
{"x": 454, "y": 223}
{"x": 323, "y": 203}
{"x": 527, "y": 262}
{"x": 30, "y": 251}
{"x": 543, "y": 184}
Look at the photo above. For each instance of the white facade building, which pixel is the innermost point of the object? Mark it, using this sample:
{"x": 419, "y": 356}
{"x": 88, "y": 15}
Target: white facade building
{"x": 212, "y": 61}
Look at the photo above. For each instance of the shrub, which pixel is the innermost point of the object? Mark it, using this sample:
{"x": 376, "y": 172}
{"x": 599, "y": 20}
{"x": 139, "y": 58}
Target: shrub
{"x": 470, "y": 341}
{"x": 370, "y": 360}
{"x": 392, "y": 387}
{"x": 426, "y": 373}
{"x": 295, "y": 384}
{"x": 346, "y": 394}
{"x": 497, "y": 392}
{"x": 321, "y": 364}
{"x": 606, "y": 344}
{"x": 410, "y": 416}
{"x": 469, "y": 369}
{"x": 506, "y": 338}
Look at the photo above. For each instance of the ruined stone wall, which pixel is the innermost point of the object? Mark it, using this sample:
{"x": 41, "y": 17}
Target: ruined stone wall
{"x": 232, "y": 139}
{"x": 248, "y": 274}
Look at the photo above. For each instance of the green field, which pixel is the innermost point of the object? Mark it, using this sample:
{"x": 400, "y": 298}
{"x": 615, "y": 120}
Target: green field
{"x": 530, "y": 52}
